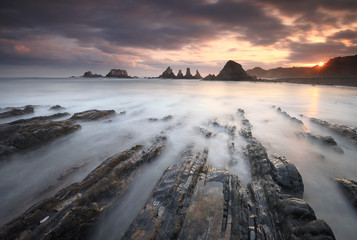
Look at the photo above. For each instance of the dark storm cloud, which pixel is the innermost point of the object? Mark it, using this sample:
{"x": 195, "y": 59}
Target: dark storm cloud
{"x": 148, "y": 24}
{"x": 316, "y": 52}
{"x": 345, "y": 35}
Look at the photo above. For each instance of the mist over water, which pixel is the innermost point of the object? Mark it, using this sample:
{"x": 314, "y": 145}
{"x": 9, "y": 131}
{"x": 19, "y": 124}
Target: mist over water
{"x": 36, "y": 174}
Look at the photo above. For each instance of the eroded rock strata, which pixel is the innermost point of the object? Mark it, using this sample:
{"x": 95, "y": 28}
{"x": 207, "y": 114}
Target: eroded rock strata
{"x": 74, "y": 210}
{"x": 192, "y": 200}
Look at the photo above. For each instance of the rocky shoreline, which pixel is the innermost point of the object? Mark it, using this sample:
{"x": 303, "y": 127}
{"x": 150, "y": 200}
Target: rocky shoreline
{"x": 192, "y": 199}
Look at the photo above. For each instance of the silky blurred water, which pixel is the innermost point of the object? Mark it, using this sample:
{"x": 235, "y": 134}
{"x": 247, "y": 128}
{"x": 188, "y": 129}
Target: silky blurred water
{"x": 29, "y": 177}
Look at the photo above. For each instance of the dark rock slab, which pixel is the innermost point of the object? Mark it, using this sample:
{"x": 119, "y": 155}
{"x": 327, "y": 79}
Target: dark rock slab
{"x": 165, "y": 211}
{"x": 18, "y": 111}
{"x": 349, "y": 187}
{"x": 206, "y": 133}
{"x": 93, "y": 114}
{"x": 347, "y": 132}
{"x": 73, "y": 211}
{"x": 180, "y": 75}
{"x": 26, "y": 133}
{"x": 188, "y": 74}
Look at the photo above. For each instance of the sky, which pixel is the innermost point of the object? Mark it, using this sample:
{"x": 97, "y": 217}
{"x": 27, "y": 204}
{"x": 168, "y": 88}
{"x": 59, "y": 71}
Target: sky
{"x": 68, "y": 37}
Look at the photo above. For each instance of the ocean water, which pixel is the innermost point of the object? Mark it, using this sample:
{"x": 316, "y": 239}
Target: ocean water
{"x": 36, "y": 174}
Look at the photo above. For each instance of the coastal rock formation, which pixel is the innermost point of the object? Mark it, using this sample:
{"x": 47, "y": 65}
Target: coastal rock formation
{"x": 168, "y": 73}
{"x": 117, "y": 73}
{"x": 18, "y": 111}
{"x": 188, "y": 74}
{"x": 89, "y": 74}
{"x": 73, "y": 211}
{"x": 180, "y": 75}
{"x": 197, "y": 75}
{"x": 93, "y": 114}
{"x": 192, "y": 200}
{"x": 23, "y": 134}
{"x": 231, "y": 71}
{"x": 349, "y": 187}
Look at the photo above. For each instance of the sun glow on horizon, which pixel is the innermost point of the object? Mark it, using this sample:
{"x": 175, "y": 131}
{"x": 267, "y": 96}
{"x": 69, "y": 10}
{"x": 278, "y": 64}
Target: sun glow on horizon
{"x": 321, "y": 64}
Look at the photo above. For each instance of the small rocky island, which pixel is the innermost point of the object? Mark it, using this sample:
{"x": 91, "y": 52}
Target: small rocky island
{"x": 114, "y": 73}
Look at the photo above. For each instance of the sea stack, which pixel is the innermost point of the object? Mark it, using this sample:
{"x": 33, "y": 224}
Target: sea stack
{"x": 188, "y": 74}
{"x": 180, "y": 75}
{"x": 232, "y": 71}
{"x": 197, "y": 75}
{"x": 117, "y": 73}
{"x": 168, "y": 73}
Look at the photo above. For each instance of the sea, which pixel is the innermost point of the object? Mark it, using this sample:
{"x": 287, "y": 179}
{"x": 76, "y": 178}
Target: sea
{"x": 33, "y": 175}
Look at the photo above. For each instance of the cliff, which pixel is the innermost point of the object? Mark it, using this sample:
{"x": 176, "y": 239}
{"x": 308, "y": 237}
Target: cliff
{"x": 335, "y": 67}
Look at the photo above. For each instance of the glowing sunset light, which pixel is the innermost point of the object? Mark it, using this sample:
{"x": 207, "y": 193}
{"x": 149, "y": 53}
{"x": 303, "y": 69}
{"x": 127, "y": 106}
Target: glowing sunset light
{"x": 321, "y": 64}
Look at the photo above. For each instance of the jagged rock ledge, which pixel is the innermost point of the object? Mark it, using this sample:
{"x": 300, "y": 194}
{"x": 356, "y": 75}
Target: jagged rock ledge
{"x": 349, "y": 188}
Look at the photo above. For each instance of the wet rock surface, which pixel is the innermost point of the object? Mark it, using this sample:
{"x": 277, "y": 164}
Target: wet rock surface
{"x": 192, "y": 200}
{"x": 73, "y": 211}
{"x": 13, "y": 112}
{"x": 349, "y": 187}
{"x": 93, "y": 114}
{"x": 347, "y": 132}
{"x": 26, "y": 133}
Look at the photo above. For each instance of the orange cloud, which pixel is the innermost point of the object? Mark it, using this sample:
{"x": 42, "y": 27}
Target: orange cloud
{"x": 21, "y": 49}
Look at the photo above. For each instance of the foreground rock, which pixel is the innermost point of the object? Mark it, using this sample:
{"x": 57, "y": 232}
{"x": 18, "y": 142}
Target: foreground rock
{"x": 18, "y": 111}
{"x": 347, "y": 132}
{"x": 192, "y": 200}
{"x": 26, "y": 133}
{"x": 117, "y": 73}
{"x": 74, "y": 210}
{"x": 285, "y": 114}
{"x": 232, "y": 71}
{"x": 349, "y": 187}
{"x": 93, "y": 114}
